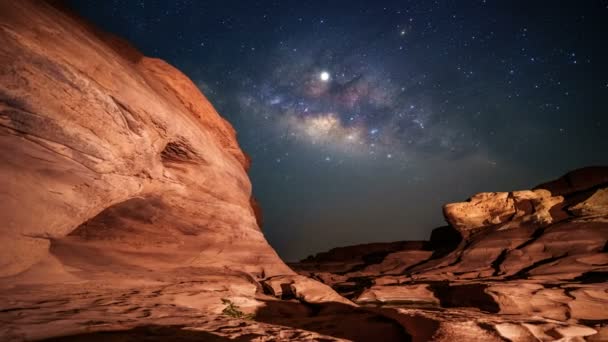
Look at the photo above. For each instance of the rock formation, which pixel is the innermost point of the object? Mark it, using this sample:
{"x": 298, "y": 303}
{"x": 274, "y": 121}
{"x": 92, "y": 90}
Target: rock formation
{"x": 532, "y": 265}
{"x": 127, "y": 215}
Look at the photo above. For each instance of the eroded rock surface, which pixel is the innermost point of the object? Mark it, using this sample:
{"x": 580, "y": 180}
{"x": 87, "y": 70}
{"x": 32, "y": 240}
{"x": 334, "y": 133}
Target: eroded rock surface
{"x": 532, "y": 265}
{"x": 114, "y": 154}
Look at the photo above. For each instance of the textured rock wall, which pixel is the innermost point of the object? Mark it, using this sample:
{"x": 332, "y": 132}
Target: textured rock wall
{"x": 111, "y": 153}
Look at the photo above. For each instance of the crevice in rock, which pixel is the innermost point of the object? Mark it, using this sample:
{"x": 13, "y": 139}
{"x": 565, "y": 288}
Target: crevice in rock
{"x": 460, "y": 251}
{"x": 469, "y": 295}
{"x": 498, "y": 261}
{"x": 355, "y": 290}
{"x": 592, "y": 277}
{"x": 593, "y": 322}
{"x": 406, "y": 271}
{"x": 128, "y": 115}
{"x": 568, "y": 293}
{"x": 535, "y": 236}
{"x": 524, "y": 272}
{"x": 179, "y": 151}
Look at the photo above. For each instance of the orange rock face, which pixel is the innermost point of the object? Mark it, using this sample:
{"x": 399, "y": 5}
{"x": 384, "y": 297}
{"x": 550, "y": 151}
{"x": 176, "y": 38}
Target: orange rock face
{"x": 118, "y": 157}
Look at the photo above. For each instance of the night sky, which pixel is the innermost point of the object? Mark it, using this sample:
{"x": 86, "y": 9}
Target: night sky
{"x": 364, "y": 117}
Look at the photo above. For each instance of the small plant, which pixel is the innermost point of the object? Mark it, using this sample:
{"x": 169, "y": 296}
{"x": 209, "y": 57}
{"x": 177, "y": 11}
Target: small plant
{"x": 233, "y": 310}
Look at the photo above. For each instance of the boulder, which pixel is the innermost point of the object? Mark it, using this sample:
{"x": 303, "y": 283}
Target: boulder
{"x": 507, "y": 209}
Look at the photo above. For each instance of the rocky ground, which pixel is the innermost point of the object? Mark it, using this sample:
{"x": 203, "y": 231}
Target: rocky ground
{"x": 529, "y": 265}
{"x": 127, "y": 216}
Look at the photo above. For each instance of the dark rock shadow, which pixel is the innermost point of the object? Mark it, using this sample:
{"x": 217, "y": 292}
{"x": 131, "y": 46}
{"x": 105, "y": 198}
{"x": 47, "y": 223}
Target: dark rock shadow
{"x": 148, "y": 333}
{"x": 469, "y": 295}
{"x": 333, "y": 319}
{"x": 443, "y": 241}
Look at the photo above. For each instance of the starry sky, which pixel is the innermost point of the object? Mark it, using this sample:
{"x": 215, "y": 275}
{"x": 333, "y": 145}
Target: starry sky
{"x": 364, "y": 117}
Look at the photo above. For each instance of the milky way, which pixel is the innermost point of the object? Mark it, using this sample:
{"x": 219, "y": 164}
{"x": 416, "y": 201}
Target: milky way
{"x": 355, "y": 109}
{"x": 363, "y": 117}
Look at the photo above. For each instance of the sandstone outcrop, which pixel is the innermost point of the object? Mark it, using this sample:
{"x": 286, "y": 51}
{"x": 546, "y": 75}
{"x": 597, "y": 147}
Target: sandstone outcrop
{"x": 113, "y": 154}
{"x": 532, "y": 265}
{"x": 497, "y": 208}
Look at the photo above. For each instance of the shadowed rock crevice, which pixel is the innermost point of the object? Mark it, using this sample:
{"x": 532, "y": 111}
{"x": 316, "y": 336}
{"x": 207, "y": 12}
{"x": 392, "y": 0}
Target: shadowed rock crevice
{"x": 592, "y": 277}
{"x": 535, "y": 236}
{"x": 498, "y": 261}
{"x": 355, "y": 287}
{"x": 470, "y": 295}
{"x": 524, "y": 272}
{"x": 132, "y": 120}
{"x": 179, "y": 151}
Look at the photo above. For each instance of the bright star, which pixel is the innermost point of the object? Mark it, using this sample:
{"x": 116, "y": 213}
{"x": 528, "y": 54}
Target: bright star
{"x": 324, "y": 76}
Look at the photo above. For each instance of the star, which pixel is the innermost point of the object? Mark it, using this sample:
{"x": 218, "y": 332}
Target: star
{"x": 324, "y": 76}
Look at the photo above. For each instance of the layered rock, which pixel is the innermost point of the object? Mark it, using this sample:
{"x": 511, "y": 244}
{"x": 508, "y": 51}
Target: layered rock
{"x": 532, "y": 265}
{"x": 498, "y": 208}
